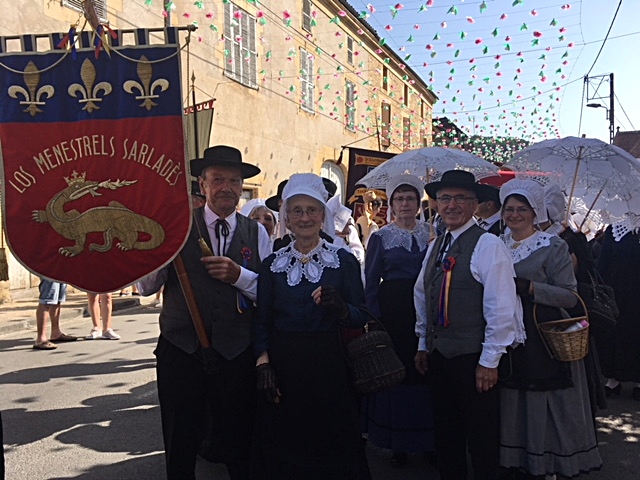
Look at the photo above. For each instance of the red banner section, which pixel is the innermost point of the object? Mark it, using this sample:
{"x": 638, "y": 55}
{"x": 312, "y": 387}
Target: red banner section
{"x": 97, "y": 199}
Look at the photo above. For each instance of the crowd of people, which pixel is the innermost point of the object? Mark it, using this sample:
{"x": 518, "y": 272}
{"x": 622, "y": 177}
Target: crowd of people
{"x": 268, "y": 388}
{"x": 259, "y": 380}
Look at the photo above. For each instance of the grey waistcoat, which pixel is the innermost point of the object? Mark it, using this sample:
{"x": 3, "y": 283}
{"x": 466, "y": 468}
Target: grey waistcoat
{"x": 465, "y": 332}
{"x": 229, "y": 330}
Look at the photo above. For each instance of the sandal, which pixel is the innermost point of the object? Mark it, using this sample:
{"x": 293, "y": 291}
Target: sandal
{"x": 63, "y": 338}
{"x": 45, "y": 346}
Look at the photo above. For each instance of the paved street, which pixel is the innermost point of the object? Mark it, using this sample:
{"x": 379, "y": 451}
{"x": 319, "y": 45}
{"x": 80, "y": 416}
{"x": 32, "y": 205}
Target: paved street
{"x": 89, "y": 410}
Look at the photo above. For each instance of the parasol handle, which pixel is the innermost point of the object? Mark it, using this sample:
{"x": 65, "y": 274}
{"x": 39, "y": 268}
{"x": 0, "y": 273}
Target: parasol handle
{"x": 591, "y": 207}
{"x": 190, "y": 298}
{"x": 573, "y": 186}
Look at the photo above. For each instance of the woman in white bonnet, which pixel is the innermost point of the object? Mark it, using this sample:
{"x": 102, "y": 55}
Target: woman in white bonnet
{"x": 546, "y": 423}
{"x": 399, "y": 419}
{"x": 308, "y": 415}
{"x": 257, "y": 210}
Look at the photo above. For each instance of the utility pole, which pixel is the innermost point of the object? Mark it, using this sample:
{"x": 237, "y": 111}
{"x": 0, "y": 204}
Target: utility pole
{"x": 595, "y": 83}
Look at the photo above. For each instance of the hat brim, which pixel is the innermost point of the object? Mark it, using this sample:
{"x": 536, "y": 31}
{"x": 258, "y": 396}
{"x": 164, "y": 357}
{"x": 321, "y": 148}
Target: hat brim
{"x": 488, "y": 192}
{"x": 246, "y": 169}
{"x": 432, "y": 188}
{"x": 272, "y": 203}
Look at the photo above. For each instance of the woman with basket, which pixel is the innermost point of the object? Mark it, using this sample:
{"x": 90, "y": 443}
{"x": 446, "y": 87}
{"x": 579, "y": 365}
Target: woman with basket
{"x": 546, "y": 427}
{"x": 399, "y": 419}
{"x": 308, "y": 417}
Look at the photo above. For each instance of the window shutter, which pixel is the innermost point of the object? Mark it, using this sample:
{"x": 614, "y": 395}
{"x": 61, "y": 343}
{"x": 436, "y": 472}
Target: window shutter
{"x": 350, "y": 50}
{"x": 101, "y": 7}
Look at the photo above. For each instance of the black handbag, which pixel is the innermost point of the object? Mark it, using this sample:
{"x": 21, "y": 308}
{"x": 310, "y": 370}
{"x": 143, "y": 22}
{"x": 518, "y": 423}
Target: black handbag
{"x": 375, "y": 366}
{"x": 601, "y": 302}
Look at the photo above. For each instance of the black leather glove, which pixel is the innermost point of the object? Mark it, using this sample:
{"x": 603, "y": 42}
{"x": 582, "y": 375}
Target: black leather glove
{"x": 332, "y": 300}
{"x": 267, "y": 382}
{"x": 522, "y": 286}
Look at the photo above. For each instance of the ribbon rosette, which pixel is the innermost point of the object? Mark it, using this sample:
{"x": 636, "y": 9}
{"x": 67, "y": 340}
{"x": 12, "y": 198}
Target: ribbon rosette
{"x": 443, "y": 310}
{"x": 243, "y": 302}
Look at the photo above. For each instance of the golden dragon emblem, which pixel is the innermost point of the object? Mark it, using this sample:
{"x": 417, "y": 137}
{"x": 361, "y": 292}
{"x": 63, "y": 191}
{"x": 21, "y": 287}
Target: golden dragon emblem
{"x": 113, "y": 221}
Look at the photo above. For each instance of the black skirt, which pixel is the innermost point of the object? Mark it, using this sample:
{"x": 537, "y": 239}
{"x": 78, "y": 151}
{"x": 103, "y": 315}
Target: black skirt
{"x": 313, "y": 433}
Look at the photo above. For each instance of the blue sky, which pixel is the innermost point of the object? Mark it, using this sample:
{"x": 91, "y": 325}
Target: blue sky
{"x": 516, "y": 67}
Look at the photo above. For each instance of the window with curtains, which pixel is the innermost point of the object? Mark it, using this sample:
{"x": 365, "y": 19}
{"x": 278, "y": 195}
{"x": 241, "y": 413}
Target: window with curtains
{"x": 101, "y": 7}
{"x": 350, "y": 50}
{"x": 406, "y": 133}
{"x": 385, "y": 116}
{"x": 307, "y": 85}
{"x": 240, "y": 46}
{"x": 350, "y": 106}
{"x": 307, "y": 19}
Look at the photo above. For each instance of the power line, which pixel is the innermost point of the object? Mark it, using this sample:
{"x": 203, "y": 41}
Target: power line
{"x": 582, "y": 105}
{"x": 625, "y": 113}
{"x": 605, "y": 38}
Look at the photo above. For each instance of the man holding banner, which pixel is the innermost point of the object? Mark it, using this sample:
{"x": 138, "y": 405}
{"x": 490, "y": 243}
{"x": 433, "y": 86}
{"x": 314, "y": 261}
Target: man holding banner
{"x": 195, "y": 381}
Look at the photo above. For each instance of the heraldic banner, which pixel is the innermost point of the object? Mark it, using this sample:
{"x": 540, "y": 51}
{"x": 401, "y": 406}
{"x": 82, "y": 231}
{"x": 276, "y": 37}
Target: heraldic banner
{"x": 94, "y": 181}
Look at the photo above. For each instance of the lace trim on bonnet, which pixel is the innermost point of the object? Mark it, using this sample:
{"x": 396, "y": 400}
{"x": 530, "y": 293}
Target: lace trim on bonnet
{"x": 393, "y": 236}
{"x": 630, "y": 224}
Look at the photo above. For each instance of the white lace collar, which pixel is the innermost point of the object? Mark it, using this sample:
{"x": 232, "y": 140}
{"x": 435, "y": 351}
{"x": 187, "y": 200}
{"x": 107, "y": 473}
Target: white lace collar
{"x": 393, "y": 236}
{"x": 630, "y": 224}
{"x": 310, "y": 265}
{"x": 522, "y": 249}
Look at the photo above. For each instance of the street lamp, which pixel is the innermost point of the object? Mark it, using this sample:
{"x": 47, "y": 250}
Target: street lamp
{"x": 609, "y": 117}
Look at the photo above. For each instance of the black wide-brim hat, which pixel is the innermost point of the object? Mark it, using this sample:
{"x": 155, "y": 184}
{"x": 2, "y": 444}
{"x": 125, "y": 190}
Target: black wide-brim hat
{"x": 454, "y": 179}
{"x": 489, "y": 192}
{"x": 272, "y": 202}
{"x": 223, "y": 156}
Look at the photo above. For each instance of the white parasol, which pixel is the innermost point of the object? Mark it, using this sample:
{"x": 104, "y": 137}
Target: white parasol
{"x": 604, "y": 176}
{"x": 428, "y": 164}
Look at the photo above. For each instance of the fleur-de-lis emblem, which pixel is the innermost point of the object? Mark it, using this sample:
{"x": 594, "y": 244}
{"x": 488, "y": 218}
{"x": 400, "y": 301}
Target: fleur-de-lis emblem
{"x": 32, "y": 97}
{"x": 145, "y": 72}
{"x": 88, "y": 91}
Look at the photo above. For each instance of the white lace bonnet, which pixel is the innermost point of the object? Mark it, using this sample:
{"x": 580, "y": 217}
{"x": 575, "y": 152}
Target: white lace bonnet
{"x": 404, "y": 179}
{"x": 529, "y": 189}
{"x": 341, "y": 214}
{"x": 248, "y": 208}
{"x": 554, "y": 202}
{"x": 311, "y": 185}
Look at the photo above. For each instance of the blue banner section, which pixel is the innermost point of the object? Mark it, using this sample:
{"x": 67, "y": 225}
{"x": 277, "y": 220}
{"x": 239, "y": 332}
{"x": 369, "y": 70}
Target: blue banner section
{"x": 124, "y": 84}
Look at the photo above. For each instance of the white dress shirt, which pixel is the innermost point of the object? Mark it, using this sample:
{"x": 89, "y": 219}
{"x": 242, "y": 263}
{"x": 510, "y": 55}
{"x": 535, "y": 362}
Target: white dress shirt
{"x": 247, "y": 282}
{"x": 488, "y": 222}
{"x": 491, "y": 266}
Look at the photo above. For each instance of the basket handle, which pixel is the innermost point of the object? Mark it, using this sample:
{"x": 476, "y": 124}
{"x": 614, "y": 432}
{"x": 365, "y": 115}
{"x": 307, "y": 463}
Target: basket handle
{"x": 535, "y": 320}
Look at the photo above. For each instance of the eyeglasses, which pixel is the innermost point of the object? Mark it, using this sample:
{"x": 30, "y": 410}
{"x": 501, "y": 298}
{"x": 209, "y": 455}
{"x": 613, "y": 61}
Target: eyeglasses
{"x": 459, "y": 199}
{"x": 405, "y": 199}
{"x": 519, "y": 210}
{"x": 312, "y": 212}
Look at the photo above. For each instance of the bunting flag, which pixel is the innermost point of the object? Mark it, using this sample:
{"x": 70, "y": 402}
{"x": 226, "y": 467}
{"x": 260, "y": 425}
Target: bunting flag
{"x": 499, "y": 68}
{"x": 95, "y": 185}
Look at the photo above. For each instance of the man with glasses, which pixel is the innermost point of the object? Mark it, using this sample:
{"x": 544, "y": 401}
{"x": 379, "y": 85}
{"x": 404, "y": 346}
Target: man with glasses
{"x": 465, "y": 300}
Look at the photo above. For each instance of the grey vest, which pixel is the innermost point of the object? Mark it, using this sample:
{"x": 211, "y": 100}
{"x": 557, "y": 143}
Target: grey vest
{"x": 465, "y": 332}
{"x": 229, "y": 330}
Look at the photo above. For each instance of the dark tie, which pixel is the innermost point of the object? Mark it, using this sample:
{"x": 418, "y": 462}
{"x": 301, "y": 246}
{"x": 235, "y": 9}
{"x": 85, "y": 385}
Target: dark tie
{"x": 483, "y": 224}
{"x": 222, "y": 231}
{"x": 443, "y": 249}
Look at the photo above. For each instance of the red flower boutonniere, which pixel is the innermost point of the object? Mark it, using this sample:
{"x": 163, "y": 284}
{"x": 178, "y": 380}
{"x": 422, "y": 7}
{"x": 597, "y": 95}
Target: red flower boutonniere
{"x": 246, "y": 253}
{"x": 448, "y": 264}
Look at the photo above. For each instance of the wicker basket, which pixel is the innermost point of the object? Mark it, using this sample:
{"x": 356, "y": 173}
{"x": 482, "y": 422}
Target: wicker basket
{"x": 375, "y": 365}
{"x": 565, "y": 346}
